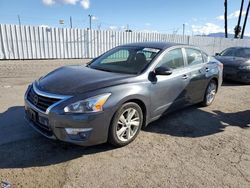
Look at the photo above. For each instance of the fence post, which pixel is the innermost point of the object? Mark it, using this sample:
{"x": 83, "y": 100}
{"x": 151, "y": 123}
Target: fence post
{"x": 33, "y": 43}
{"x": 86, "y": 46}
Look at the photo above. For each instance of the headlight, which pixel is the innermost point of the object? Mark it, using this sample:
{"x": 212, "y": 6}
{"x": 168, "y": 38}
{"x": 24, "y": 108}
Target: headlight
{"x": 93, "y": 104}
{"x": 246, "y": 67}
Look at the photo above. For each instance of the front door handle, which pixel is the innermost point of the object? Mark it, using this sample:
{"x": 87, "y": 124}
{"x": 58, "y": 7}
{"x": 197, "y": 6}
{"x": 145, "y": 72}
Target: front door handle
{"x": 184, "y": 77}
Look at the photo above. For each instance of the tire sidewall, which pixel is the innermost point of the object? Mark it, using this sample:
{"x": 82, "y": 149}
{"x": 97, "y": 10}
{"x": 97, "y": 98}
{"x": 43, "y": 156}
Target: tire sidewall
{"x": 113, "y": 139}
{"x": 205, "y": 102}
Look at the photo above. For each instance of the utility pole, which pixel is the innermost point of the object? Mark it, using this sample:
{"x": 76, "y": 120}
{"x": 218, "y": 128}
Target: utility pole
{"x": 90, "y": 20}
{"x": 237, "y": 28}
{"x": 245, "y": 22}
{"x": 127, "y": 27}
{"x": 19, "y": 20}
{"x": 128, "y": 30}
{"x": 183, "y": 29}
{"x": 225, "y": 18}
{"x": 70, "y": 19}
{"x": 99, "y": 26}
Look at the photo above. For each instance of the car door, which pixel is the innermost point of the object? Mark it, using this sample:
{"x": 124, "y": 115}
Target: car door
{"x": 168, "y": 91}
{"x": 197, "y": 73}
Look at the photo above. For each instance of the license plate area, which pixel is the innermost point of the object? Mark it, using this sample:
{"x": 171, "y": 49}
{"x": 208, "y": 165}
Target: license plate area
{"x": 38, "y": 119}
{"x": 32, "y": 115}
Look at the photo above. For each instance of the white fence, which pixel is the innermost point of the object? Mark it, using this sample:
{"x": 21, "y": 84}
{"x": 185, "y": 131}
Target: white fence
{"x": 30, "y": 42}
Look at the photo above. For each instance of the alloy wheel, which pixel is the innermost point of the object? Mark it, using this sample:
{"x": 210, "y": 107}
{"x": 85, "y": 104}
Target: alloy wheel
{"x": 211, "y": 92}
{"x": 128, "y": 124}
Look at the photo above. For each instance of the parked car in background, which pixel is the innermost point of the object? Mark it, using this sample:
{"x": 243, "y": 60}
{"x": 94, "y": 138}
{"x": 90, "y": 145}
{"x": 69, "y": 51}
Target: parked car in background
{"x": 236, "y": 61}
{"x": 122, "y": 90}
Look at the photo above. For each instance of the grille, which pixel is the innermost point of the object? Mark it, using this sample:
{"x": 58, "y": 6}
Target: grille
{"x": 41, "y": 102}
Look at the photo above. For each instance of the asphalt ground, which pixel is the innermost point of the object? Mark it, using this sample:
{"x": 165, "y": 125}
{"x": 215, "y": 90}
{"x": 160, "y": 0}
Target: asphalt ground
{"x": 194, "y": 147}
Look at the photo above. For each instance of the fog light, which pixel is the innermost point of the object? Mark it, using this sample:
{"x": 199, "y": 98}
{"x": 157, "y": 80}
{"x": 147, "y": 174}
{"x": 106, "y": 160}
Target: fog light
{"x": 75, "y": 131}
{"x": 83, "y": 135}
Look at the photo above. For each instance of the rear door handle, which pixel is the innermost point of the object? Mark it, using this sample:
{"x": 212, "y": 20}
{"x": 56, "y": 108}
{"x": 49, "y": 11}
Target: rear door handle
{"x": 184, "y": 77}
{"x": 207, "y": 69}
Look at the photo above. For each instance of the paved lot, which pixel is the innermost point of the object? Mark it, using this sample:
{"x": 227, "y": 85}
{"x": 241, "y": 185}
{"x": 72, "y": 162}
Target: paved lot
{"x": 195, "y": 147}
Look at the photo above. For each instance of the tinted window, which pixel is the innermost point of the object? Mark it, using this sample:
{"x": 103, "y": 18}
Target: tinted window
{"x": 172, "y": 59}
{"x": 194, "y": 56}
{"x": 228, "y": 52}
{"x": 244, "y": 52}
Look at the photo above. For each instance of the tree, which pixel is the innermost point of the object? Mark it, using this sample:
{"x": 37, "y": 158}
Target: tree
{"x": 225, "y": 17}
{"x": 245, "y": 22}
{"x": 237, "y": 29}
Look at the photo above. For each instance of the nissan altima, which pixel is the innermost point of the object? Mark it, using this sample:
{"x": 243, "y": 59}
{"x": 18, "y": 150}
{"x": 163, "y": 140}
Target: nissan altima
{"x": 236, "y": 61}
{"x": 118, "y": 93}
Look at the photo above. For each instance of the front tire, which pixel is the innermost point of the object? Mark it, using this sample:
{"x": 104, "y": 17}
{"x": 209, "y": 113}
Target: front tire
{"x": 210, "y": 93}
{"x": 126, "y": 124}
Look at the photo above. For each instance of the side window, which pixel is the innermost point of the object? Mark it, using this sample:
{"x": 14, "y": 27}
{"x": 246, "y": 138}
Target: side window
{"x": 194, "y": 56}
{"x": 245, "y": 53}
{"x": 119, "y": 56}
{"x": 172, "y": 59}
{"x": 228, "y": 52}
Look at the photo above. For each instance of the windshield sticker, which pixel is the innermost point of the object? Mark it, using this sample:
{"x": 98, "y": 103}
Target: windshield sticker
{"x": 151, "y": 50}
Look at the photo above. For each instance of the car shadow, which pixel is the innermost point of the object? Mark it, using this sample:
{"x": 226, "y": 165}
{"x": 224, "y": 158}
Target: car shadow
{"x": 22, "y": 147}
{"x": 195, "y": 122}
{"x": 227, "y": 82}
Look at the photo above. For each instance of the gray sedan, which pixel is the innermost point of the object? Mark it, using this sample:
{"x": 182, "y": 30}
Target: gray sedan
{"x": 121, "y": 91}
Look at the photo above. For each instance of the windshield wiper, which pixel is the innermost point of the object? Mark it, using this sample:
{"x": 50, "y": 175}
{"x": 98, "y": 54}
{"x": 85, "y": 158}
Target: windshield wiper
{"x": 101, "y": 69}
{"x": 113, "y": 71}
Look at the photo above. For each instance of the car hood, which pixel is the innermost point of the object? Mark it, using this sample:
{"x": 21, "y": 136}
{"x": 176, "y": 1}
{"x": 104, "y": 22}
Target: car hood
{"x": 232, "y": 61}
{"x": 71, "y": 80}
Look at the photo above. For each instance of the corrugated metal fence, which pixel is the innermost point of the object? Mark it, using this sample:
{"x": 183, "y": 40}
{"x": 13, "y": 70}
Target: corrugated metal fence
{"x": 30, "y": 42}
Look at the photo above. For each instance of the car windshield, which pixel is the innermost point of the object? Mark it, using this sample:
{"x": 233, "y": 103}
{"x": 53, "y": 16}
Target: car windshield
{"x": 242, "y": 52}
{"x": 127, "y": 59}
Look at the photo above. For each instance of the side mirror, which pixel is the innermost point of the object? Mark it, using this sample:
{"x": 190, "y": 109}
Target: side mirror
{"x": 217, "y": 54}
{"x": 162, "y": 71}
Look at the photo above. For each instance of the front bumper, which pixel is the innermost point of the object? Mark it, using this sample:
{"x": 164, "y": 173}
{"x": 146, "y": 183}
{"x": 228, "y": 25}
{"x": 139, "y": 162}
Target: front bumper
{"x": 53, "y": 124}
{"x": 237, "y": 75}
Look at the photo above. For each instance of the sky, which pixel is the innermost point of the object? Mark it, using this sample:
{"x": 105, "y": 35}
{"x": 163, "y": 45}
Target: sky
{"x": 162, "y": 16}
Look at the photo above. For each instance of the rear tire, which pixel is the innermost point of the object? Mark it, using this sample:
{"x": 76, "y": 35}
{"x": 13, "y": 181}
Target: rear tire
{"x": 210, "y": 93}
{"x": 126, "y": 124}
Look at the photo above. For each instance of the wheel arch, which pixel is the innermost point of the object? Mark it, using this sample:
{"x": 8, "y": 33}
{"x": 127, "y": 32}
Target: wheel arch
{"x": 143, "y": 108}
{"x": 217, "y": 82}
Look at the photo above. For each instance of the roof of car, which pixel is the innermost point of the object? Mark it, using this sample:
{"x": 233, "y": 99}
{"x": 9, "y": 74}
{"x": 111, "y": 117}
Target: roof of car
{"x": 158, "y": 45}
{"x": 239, "y": 47}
